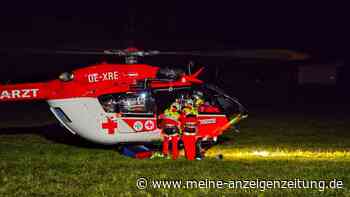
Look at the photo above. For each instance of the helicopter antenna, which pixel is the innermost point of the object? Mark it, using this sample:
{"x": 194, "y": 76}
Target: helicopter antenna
{"x": 189, "y": 67}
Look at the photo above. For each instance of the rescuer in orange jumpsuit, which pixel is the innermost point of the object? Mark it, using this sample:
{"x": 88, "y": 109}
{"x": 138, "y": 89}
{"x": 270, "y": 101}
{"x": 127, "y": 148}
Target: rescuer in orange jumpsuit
{"x": 189, "y": 124}
{"x": 170, "y": 126}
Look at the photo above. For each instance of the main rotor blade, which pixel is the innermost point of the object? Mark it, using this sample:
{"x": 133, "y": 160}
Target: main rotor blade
{"x": 267, "y": 54}
{"x": 257, "y": 54}
{"x": 53, "y": 51}
{"x": 70, "y": 52}
{"x": 113, "y": 52}
{"x": 81, "y": 52}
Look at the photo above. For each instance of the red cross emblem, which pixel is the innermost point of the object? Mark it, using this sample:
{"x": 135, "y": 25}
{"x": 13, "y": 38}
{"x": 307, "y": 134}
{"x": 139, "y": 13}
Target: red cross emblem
{"x": 110, "y": 125}
{"x": 149, "y": 125}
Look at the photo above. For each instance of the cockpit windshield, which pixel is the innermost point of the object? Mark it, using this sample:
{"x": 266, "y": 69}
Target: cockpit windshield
{"x": 229, "y": 104}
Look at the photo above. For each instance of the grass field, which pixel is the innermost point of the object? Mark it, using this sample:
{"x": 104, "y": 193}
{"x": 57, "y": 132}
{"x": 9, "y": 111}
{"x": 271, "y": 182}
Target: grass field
{"x": 270, "y": 147}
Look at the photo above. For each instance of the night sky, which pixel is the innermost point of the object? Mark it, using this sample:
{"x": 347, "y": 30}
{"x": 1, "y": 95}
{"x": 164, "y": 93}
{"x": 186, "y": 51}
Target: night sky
{"x": 314, "y": 28}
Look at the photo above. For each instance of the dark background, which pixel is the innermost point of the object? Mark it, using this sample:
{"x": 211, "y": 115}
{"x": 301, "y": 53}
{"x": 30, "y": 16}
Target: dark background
{"x": 315, "y": 28}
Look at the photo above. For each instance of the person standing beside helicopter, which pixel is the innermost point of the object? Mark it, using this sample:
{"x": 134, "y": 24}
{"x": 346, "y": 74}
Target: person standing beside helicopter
{"x": 171, "y": 130}
{"x": 189, "y": 123}
{"x": 198, "y": 101}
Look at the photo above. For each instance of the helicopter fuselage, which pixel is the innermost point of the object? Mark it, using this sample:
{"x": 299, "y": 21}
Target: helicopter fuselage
{"x": 81, "y": 102}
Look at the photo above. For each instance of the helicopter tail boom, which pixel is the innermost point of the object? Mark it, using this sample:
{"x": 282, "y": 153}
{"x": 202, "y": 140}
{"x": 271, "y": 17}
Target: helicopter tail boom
{"x": 22, "y": 92}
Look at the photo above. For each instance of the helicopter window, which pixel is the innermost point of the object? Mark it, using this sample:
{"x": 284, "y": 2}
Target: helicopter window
{"x": 164, "y": 98}
{"x": 141, "y": 103}
{"x": 60, "y": 113}
{"x": 109, "y": 103}
{"x": 210, "y": 104}
{"x": 228, "y": 104}
{"x": 169, "y": 73}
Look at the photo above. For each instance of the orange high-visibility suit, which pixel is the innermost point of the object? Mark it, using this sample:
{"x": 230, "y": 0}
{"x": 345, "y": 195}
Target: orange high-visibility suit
{"x": 170, "y": 126}
{"x": 189, "y": 124}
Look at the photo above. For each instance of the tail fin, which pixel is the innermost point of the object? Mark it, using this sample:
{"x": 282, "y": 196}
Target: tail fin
{"x": 195, "y": 75}
{"x": 193, "y": 78}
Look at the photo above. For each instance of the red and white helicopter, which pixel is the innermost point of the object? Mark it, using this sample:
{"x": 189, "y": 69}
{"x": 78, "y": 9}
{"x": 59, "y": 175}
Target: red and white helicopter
{"x": 114, "y": 103}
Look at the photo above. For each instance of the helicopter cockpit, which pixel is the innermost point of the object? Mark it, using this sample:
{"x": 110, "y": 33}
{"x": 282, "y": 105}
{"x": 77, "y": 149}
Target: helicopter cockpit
{"x": 210, "y": 94}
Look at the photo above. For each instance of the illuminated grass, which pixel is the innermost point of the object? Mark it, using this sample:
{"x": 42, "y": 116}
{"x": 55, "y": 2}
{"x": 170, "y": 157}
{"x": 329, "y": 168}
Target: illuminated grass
{"x": 234, "y": 154}
{"x": 272, "y": 148}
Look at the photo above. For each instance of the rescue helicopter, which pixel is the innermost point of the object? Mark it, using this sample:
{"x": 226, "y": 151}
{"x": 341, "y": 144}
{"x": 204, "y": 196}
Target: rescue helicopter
{"x": 109, "y": 103}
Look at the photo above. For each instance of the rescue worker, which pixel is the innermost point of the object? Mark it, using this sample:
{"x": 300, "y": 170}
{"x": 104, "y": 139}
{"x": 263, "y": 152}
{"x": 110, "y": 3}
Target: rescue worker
{"x": 170, "y": 125}
{"x": 198, "y": 105}
{"x": 189, "y": 123}
{"x": 202, "y": 106}
{"x": 198, "y": 99}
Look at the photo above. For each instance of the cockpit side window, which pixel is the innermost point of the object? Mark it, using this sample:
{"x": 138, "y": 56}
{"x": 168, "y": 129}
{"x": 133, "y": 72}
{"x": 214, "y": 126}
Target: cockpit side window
{"x": 207, "y": 103}
{"x": 164, "y": 97}
{"x": 130, "y": 103}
